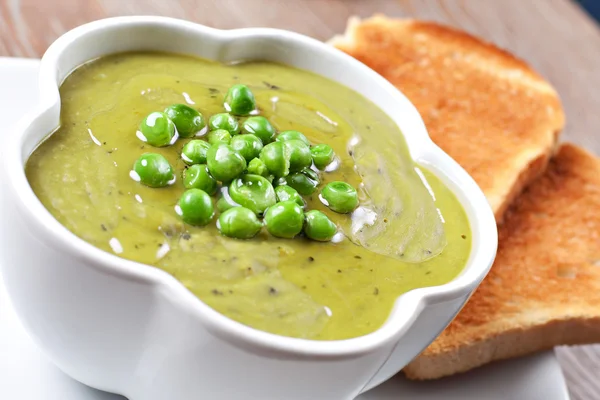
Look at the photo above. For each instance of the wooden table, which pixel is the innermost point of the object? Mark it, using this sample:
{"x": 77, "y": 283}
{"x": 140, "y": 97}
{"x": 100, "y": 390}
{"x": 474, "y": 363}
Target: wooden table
{"x": 555, "y": 36}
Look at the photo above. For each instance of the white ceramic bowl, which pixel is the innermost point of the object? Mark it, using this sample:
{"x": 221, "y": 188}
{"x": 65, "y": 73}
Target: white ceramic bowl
{"x": 128, "y": 328}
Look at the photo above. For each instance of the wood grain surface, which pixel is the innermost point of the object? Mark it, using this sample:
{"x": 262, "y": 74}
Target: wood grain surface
{"x": 554, "y": 36}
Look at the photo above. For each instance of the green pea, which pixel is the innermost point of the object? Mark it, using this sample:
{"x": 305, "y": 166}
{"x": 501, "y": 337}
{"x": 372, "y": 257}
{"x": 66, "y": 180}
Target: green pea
{"x": 157, "y": 130}
{"x": 285, "y": 193}
{"x": 195, "y": 207}
{"x": 292, "y": 135}
{"x": 249, "y": 146}
{"x": 340, "y": 197}
{"x": 224, "y": 121}
{"x": 239, "y": 100}
{"x": 153, "y": 170}
{"x": 253, "y": 192}
{"x": 239, "y": 223}
{"x": 257, "y": 167}
{"x": 194, "y": 152}
{"x": 318, "y": 226}
{"x": 305, "y": 181}
{"x": 260, "y": 127}
{"x": 224, "y": 163}
{"x": 219, "y": 136}
{"x": 198, "y": 177}
{"x": 277, "y": 159}
{"x": 189, "y": 122}
{"x": 322, "y": 155}
{"x": 285, "y": 219}
{"x": 299, "y": 152}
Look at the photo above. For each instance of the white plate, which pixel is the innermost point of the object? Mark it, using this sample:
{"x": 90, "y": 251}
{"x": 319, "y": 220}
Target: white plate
{"x": 25, "y": 374}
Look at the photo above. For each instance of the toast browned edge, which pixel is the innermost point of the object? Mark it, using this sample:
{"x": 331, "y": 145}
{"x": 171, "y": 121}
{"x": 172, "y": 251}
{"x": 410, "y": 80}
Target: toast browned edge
{"x": 388, "y": 46}
{"x": 513, "y": 343}
{"x": 548, "y": 263}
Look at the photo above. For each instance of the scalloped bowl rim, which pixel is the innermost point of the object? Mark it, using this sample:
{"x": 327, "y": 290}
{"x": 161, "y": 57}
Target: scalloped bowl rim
{"x": 408, "y": 305}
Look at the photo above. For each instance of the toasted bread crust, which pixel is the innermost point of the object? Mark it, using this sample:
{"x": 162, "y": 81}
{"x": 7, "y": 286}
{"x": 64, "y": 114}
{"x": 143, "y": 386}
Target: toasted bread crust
{"x": 544, "y": 287}
{"x": 487, "y": 109}
{"x": 510, "y": 344}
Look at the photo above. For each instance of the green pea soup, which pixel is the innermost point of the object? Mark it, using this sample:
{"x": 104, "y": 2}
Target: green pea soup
{"x": 408, "y": 232}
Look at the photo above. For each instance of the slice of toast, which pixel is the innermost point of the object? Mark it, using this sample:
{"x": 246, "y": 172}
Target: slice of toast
{"x": 544, "y": 287}
{"x": 488, "y": 110}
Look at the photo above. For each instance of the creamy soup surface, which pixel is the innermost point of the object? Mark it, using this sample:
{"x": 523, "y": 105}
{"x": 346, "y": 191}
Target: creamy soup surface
{"x": 409, "y": 232}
